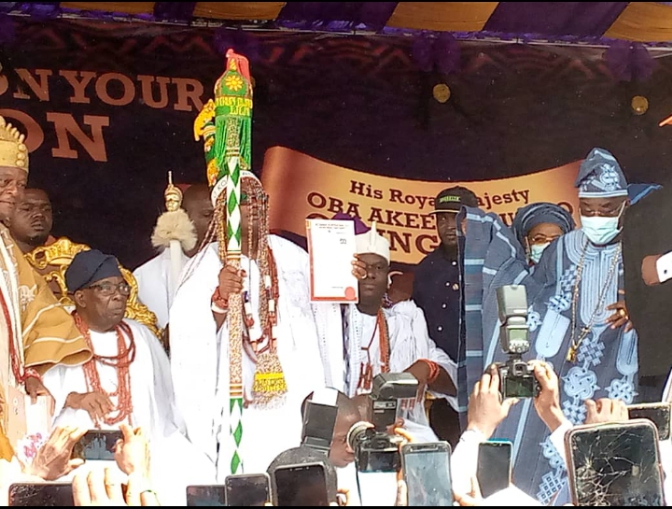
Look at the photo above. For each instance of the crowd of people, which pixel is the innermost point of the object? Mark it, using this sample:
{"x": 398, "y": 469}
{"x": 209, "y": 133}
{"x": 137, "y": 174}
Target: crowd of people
{"x": 104, "y": 371}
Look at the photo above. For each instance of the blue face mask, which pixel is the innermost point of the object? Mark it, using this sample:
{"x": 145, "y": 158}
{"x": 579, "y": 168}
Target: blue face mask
{"x": 601, "y": 230}
{"x": 536, "y": 250}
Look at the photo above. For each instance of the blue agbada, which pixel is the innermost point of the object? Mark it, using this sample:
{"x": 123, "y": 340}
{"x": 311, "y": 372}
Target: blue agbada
{"x": 567, "y": 291}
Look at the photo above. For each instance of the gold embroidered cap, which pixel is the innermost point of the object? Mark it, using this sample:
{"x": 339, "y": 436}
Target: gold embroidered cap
{"x": 13, "y": 151}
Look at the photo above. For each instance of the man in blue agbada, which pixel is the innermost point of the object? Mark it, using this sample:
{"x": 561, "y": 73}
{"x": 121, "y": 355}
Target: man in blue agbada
{"x": 577, "y": 318}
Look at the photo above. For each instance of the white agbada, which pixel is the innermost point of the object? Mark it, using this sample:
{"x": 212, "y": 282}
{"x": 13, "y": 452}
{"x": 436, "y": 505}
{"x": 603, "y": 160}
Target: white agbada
{"x": 200, "y": 359}
{"x": 408, "y": 342}
{"x": 175, "y": 462}
{"x": 154, "y": 285}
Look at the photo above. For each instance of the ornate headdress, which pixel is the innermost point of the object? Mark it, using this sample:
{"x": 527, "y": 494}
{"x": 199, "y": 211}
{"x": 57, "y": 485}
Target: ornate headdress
{"x": 13, "y": 151}
{"x": 225, "y": 124}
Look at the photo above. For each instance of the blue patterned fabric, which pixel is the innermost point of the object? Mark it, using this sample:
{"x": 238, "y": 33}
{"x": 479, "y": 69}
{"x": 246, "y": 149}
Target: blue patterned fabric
{"x": 606, "y": 363}
{"x": 600, "y": 176}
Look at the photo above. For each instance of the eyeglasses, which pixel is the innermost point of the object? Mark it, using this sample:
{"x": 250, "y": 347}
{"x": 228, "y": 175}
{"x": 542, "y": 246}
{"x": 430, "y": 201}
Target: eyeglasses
{"x": 109, "y": 289}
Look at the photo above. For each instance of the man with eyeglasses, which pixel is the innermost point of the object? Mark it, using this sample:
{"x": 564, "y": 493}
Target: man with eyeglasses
{"x": 128, "y": 378}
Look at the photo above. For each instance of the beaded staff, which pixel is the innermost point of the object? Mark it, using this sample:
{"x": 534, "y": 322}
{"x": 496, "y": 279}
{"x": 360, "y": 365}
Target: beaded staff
{"x": 228, "y": 154}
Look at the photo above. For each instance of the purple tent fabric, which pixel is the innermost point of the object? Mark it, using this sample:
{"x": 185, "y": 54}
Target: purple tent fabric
{"x": 174, "y": 11}
{"x": 555, "y": 18}
{"x": 336, "y": 15}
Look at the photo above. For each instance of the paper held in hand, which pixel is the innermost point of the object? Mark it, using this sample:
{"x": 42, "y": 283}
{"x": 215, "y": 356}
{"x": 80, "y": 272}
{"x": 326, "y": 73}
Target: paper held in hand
{"x": 331, "y": 246}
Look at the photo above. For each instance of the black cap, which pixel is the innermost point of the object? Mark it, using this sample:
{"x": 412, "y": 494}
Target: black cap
{"x": 453, "y": 199}
{"x": 89, "y": 267}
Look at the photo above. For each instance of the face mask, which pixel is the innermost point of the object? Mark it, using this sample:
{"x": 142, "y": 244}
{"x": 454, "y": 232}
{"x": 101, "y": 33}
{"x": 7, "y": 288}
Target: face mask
{"x": 601, "y": 230}
{"x": 536, "y": 250}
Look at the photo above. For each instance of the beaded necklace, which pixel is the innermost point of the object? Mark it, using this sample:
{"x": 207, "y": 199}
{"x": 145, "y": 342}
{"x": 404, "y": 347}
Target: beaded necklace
{"x": 120, "y": 362}
{"x": 366, "y": 368}
{"x": 576, "y": 342}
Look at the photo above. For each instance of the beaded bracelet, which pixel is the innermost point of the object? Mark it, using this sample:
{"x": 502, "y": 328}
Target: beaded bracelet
{"x": 31, "y": 373}
{"x": 433, "y": 371}
{"x": 219, "y": 303}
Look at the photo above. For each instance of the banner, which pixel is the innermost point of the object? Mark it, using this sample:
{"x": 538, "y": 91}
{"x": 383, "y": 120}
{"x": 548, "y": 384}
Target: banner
{"x": 300, "y": 187}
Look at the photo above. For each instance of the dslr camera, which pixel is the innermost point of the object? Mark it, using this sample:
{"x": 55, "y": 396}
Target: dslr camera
{"x": 376, "y": 450}
{"x": 516, "y": 376}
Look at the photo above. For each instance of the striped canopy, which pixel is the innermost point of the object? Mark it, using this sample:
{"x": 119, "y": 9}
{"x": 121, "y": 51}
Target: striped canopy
{"x": 648, "y": 22}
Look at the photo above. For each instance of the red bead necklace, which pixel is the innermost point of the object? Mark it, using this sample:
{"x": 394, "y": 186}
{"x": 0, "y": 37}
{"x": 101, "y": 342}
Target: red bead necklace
{"x": 121, "y": 362}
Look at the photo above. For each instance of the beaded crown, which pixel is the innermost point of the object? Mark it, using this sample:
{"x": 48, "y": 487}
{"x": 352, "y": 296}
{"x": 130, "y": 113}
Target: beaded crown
{"x": 13, "y": 151}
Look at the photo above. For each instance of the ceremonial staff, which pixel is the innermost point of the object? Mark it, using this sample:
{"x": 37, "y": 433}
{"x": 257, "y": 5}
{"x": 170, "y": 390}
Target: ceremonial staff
{"x": 228, "y": 151}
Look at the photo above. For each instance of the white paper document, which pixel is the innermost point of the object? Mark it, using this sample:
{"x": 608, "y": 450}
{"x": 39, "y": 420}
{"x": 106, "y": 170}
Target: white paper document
{"x": 331, "y": 246}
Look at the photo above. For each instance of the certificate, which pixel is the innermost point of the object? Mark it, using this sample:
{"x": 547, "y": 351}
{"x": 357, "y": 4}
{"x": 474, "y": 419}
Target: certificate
{"x": 331, "y": 246}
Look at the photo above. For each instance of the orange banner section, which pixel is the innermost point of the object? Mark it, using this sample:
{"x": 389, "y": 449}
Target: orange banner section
{"x": 303, "y": 187}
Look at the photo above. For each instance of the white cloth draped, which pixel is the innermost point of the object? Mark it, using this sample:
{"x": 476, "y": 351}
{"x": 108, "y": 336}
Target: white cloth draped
{"x": 200, "y": 359}
{"x": 409, "y": 341}
{"x": 175, "y": 462}
{"x": 154, "y": 285}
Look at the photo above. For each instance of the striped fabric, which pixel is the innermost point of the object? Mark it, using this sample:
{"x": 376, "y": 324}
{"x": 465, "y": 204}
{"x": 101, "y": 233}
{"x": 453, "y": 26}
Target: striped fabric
{"x": 579, "y": 21}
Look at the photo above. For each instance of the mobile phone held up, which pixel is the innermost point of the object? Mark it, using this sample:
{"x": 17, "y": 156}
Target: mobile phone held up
{"x": 97, "y": 445}
{"x": 253, "y": 490}
{"x": 494, "y": 467}
{"x": 301, "y": 485}
{"x": 657, "y": 413}
{"x": 426, "y": 470}
{"x": 41, "y": 494}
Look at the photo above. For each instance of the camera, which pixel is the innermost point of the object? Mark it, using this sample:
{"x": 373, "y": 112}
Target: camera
{"x": 376, "y": 450}
{"x": 516, "y": 376}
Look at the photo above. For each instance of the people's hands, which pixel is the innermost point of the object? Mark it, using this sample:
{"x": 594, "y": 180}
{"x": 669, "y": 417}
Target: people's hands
{"x": 97, "y": 489}
{"x": 96, "y": 404}
{"x": 53, "y": 459}
{"x": 606, "y": 410}
{"x": 132, "y": 452}
{"x": 472, "y": 498}
{"x": 547, "y": 403}
{"x": 621, "y": 316}
{"x": 359, "y": 268}
{"x": 35, "y": 388}
{"x": 486, "y": 409}
{"x": 650, "y": 270}
{"x": 230, "y": 281}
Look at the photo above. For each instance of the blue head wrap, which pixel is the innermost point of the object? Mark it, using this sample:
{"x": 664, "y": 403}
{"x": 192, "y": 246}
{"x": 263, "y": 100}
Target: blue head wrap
{"x": 638, "y": 191}
{"x": 536, "y": 213}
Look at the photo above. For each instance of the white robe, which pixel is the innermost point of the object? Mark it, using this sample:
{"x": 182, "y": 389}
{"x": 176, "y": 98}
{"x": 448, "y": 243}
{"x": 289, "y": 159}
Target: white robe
{"x": 154, "y": 285}
{"x": 409, "y": 341}
{"x": 200, "y": 360}
{"x": 175, "y": 462}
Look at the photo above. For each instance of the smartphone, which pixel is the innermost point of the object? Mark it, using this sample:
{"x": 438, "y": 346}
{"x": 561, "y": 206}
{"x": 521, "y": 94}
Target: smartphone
{"x": 426, "y": 470}
{"x": 657, "y": 413}
{"x": 616, "y": 464}
{"x": 97, "y": 445}
{"x": 301, "y": 485}
{"x": 494, "y": 466}
{"x": 41, "y": 494}
{"x": 248, "y": 490}
{"x": 213, "y": 495}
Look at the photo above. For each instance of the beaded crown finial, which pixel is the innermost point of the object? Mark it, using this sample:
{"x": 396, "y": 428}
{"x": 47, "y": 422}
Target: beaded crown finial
{"x": 13, "y": 151}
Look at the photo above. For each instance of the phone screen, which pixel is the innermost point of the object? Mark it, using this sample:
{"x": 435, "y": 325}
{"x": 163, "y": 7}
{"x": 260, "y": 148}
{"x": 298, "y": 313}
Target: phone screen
{"x": 658, "y": 414}
{"x": 248, "y": 490}
{"x": 301, "y": 485}
{"x": 616, "y": 465}
{"x": 97, "y": 445}
{"x": 494, "y": 467}
{"x": 41, "y": 494}
{"x": 427, "y": 474}
{"x": 207, "y": 495}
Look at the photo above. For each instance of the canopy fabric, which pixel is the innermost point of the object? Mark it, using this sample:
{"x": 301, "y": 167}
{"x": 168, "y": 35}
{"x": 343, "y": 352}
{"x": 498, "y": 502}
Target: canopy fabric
{"x": 649, "y": 22}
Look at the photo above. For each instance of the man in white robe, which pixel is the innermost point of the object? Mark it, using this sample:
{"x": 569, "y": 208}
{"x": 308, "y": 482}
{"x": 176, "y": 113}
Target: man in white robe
{"x": 401, "y": 332}
{"x": 199, "y": 343}
{"x": 154, "y": 289}
{"x": 128, "y": 379}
